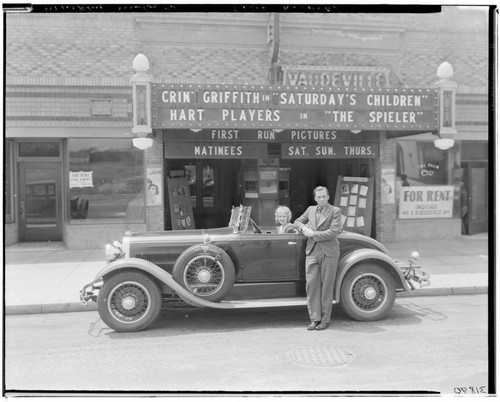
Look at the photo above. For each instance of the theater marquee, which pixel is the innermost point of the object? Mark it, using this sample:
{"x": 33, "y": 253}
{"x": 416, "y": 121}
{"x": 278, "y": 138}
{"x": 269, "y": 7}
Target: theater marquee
{"x": 252, "y": 143}
{"x": 254, "y": 106}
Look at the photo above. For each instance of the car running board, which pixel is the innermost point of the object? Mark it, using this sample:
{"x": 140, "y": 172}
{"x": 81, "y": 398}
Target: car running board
{"x": 257, "y": 303}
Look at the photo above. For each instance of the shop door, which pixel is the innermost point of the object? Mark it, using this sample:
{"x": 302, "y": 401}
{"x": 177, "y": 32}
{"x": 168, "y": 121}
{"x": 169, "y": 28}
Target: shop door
{"x": 475, "y": 197}
{"x": 40, "y": 212}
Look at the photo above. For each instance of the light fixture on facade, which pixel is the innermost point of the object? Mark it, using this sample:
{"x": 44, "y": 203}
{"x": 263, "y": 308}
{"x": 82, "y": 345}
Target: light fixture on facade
{"x": 444, "y": 143}
{"x": 195, "y": 130}
{"x": 355, "y": 131}
{"x": 141, "y": 103}
{"x": 142, "y": 143}
{"x": 447, "y": 90}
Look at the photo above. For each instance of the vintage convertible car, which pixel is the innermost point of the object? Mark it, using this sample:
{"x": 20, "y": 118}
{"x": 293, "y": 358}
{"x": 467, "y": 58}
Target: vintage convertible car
{"x": 239, "y": 267}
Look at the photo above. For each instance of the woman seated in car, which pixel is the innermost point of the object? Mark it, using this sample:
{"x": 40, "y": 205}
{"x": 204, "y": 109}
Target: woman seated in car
{"x": 283, "y": 216}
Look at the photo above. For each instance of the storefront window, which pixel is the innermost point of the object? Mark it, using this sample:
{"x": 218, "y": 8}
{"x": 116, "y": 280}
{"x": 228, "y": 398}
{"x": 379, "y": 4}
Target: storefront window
{"x": 421, "y": 164}
{"x": 106, "y": 181}
{"x": 8, "y": 185}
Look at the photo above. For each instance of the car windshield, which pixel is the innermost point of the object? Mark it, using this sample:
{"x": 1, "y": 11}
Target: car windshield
{"x": 240, "y": 217}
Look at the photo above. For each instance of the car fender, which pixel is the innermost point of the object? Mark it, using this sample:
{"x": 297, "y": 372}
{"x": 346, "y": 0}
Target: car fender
{"x": 365, "y": 254}
{"x": 162, "y": 276}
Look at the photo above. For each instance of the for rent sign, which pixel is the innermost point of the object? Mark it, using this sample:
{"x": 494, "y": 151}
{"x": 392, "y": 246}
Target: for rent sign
{"x": 260, "y": 106}
{"x": 426, "y": 202}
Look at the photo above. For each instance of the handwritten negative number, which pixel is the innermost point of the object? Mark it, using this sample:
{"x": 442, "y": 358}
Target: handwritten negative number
{"x": 469, "y": 390}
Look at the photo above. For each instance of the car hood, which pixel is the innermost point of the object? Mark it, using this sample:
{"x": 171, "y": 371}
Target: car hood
{"x": 173, "y": 237}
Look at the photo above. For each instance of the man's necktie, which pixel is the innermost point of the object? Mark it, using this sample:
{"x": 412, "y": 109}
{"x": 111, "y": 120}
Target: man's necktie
{"x": 319, "y": 210}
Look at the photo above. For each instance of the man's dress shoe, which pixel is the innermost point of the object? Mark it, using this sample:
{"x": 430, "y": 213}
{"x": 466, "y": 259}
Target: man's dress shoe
{"x": 321, "y": 327}
{"x": 313, "y": 325}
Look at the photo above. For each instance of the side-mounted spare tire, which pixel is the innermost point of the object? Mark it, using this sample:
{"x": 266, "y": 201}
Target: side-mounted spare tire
{"x": 206, "y": 271}
{"x": 368, "y": 292}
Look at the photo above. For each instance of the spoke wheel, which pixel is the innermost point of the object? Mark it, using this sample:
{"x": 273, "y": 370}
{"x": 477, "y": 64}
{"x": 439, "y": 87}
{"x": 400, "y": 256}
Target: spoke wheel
{"x": 206, "y": 271}
{"x": 129, "y": 301}
{"x": 204, "y": 275}
{"x": 367, "y": 293}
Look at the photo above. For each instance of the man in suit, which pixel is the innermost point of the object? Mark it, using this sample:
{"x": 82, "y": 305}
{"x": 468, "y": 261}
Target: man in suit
{"x": 321, "y": 224}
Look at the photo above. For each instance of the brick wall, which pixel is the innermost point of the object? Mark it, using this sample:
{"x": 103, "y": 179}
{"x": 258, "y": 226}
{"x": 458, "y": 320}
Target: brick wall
{"x": 68, "y": 105}
{"x": 104, "y": 45}
{"x": 70, "y": 45}
{"x": 385, "y": 215}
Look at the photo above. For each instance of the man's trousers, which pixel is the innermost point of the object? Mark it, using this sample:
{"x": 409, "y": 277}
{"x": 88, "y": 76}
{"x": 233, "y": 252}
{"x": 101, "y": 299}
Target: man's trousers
{"x": 321, "y": 271}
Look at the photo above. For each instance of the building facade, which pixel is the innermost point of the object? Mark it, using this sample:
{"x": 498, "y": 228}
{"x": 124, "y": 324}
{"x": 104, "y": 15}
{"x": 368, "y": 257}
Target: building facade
{"x": 242, "y": 110}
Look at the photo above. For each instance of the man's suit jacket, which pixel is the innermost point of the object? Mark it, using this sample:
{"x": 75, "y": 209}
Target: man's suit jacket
{"x": 325, "y": 232}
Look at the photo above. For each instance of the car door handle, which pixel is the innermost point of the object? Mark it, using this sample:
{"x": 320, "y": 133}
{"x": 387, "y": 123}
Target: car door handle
{"x": 291, "y": 243}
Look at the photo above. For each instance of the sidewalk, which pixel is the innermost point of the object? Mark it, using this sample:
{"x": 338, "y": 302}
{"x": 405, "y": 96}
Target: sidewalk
{"x": 47, "y": 278}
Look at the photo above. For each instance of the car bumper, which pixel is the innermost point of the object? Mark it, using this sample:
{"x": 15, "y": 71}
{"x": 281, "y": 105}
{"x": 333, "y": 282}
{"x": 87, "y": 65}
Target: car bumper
{"x": 89, "y": 292}
{"x": 414, "y": 275}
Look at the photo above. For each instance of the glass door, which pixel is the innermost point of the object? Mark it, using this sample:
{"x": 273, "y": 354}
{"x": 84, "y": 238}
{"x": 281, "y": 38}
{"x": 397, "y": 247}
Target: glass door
{"x": 40, "y": 212}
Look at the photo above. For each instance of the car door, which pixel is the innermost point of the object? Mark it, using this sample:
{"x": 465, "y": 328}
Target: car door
{"x": 269, "y": 257}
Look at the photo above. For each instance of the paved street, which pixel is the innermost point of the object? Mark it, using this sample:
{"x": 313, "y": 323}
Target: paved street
{"x": 426, "y": 344}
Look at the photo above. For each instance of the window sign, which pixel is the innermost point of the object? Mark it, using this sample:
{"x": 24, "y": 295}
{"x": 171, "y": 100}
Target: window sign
{"x": 422, "y": 163}
{"x": 80, "y": 179}
{"x": 426, "y": 202}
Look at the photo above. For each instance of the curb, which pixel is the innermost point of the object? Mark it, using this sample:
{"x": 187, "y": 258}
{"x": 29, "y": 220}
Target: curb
{"x": 451, "y": 291}
{"x": 80, "y": 307}
{"x": 50, "y": 308}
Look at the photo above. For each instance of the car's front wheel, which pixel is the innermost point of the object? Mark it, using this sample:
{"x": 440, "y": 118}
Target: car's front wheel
{"x": 129, "y": 301}
{"x": 367, "y": 293}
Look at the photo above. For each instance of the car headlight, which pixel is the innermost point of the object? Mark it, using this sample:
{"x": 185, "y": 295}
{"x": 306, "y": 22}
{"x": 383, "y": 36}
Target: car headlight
{"x": 114, "y": 251}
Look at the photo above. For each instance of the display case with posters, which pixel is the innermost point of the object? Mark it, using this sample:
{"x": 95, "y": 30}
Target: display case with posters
{"x": 181, "y": 210}
{"x": 354, "y": 196}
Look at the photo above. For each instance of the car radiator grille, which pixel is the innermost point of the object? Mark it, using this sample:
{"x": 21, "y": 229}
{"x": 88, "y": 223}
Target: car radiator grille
{"x": 165, "y": 259}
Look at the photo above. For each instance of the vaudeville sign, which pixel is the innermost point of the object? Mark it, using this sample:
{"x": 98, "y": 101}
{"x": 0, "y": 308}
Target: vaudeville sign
{"x": 260, "y": 106}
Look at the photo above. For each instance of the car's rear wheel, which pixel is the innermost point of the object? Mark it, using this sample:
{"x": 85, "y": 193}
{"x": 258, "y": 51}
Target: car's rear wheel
{"x": 367, "y": 293}
{"x": 129, "y": 301}
{"x": 206, "y": 271}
